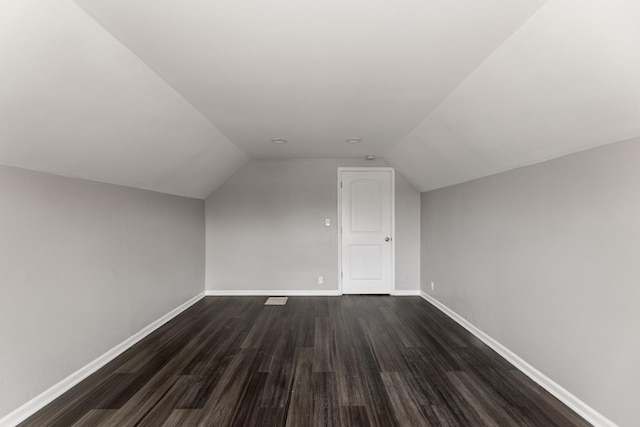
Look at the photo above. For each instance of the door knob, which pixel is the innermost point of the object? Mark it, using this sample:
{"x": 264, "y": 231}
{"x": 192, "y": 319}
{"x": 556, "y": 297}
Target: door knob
{"x": 386, "y": 239}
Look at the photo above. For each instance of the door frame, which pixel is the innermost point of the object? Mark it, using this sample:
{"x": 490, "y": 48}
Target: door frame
{"x": 392, "y": 172}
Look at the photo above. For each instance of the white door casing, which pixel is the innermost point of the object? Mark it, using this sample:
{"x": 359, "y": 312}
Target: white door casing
{"x": 366, "y": 213}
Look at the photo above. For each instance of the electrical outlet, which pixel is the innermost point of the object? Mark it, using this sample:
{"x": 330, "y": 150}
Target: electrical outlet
{"x": 320, "y": 280}
{"x": 327, "y": 222}
{"x": 433, "y": 286}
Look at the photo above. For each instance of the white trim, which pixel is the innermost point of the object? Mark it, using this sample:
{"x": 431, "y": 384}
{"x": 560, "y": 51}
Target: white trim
{"x": 40, "y": 401}
{"x": 393, "y": 219}
{"x": 407, "y": 292}
{"x": 577, "y": 405}
{"x": 271, "y": 293}
{"x": 292, "y": 293}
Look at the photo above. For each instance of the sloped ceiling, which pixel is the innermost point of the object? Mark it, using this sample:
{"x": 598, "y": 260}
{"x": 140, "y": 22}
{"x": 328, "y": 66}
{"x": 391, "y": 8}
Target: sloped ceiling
{"x": 313, "y": 72}
{"x": 75, "y": 102}
{"x": 169, "y": 95}
{"x": 566, "y": 81}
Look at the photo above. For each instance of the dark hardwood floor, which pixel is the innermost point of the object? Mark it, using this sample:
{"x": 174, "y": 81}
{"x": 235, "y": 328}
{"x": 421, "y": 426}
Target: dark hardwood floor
{"x": 334, "y": 361}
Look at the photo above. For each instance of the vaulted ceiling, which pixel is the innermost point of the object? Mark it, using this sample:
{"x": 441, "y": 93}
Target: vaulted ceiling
{"x": 175, "y": 96}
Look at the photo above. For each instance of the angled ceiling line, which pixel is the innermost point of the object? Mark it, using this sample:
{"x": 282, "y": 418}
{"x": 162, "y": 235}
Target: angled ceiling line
{"x": 471, "y": 73}
{"x": 377, "y": 79}
{"x": 553, "y": 88}
{"x": 154, "y": 71}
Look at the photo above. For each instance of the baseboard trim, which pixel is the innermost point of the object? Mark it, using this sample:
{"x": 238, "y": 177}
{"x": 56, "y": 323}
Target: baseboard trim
{"x": 40, "y": 401}
{"x": 272, "y": 293}
{"x": 577, "y": 405}
{"x": 292, "y": 293}
{"x": 407, "y": 292}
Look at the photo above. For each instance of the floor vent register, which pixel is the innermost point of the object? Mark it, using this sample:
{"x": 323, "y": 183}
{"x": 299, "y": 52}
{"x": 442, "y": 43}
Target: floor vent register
{"x": 276, "y": 301}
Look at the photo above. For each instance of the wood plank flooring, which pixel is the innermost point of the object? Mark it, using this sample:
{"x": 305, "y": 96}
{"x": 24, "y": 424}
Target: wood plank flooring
{"x": 335, "y": 361}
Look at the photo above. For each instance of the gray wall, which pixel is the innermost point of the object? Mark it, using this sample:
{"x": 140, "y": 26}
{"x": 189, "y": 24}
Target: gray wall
{"x": 265, "y": 227}
{"x": 546, "y": 259}
{"x": 85, "y": 266}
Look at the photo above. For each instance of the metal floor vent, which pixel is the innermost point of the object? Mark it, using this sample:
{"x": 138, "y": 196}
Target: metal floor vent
{"x": 276, "y": 301}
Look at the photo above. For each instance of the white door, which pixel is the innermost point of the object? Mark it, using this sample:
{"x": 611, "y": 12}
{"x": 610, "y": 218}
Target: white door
{"x": 367, "y": 224}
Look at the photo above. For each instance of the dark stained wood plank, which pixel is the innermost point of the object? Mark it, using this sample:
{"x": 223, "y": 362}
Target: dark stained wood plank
{"x": 300, "y": 408}
{"x": 346, "y": 361}
{"x": 403, "y": 327}
{"x": 182, "y": 418}
{"x": 324, "y": 348}
{"x": 406, "y": 410}
{"x": 160, "y": 412}
{"x": 540, "y": 398}
{"x": 276, "y": 392}
{"x": 349, "y": 382}
{"x": 325, "y": 400}
{"x": 481, "y": 401}
{"x": 248, "y": 412}
{"x": 354, "y": 416}
{"x": 95, "y": 417}
{"x": 441, "y": 416}
{"x": 226, "y": 396}
{"x": 272, "y": 417}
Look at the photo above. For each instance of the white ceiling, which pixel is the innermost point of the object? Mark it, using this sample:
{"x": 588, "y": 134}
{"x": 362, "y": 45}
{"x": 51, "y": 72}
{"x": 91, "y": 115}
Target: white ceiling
{"x": 566, "y": 81}
{"x": 312, "y": 72}
{"x": 169, "y": 95}
{"x": 75, "y": 102}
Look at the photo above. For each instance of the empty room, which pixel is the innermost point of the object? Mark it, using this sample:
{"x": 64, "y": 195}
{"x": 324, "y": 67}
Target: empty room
{"x": 319, "y": 213}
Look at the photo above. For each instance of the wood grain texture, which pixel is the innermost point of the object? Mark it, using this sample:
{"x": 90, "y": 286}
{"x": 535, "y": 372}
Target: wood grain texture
{"x": 318, "y": 361}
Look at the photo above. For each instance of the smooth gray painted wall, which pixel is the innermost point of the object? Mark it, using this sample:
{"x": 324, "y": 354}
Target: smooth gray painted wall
{"x": 546, "y": 259}
{"x": 407, "y": 235}
{"x": 83, "y": 267}
{"x": 265, "y": 227}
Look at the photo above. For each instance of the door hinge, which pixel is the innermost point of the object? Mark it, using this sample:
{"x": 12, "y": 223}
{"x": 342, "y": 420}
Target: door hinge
{"x": 340, "y": 184}
{"x": 341, "y": 275}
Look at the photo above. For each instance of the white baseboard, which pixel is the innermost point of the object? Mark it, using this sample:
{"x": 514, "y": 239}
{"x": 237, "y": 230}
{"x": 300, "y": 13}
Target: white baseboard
{"x": 271, "y": 293}
{"x": 293, "y": 293}
{"x": 577, "y": 405}
{"x": 40, "y": 401}
{"x": 407, "y": 292}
